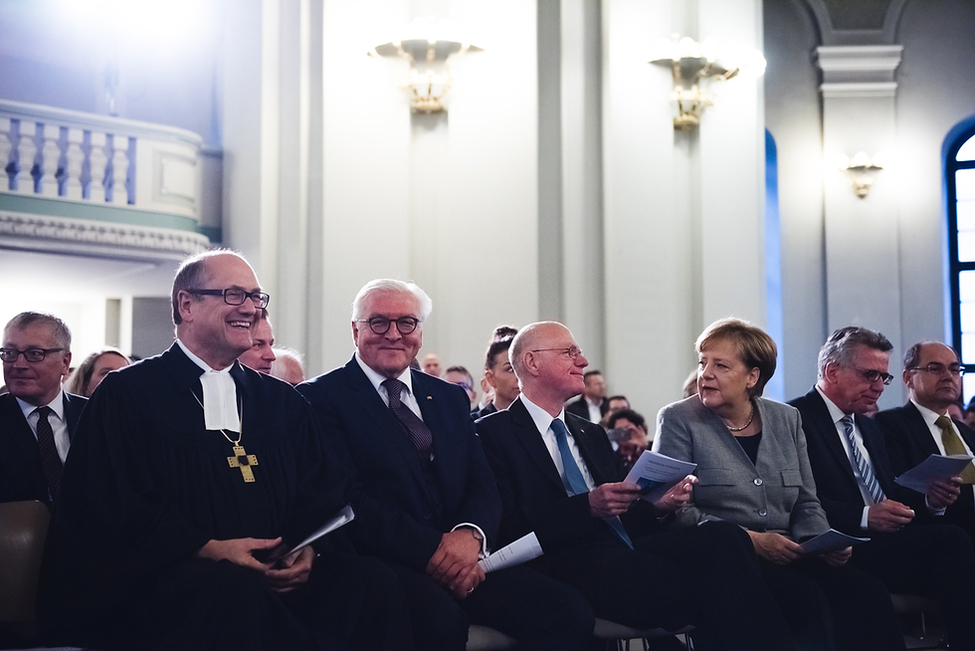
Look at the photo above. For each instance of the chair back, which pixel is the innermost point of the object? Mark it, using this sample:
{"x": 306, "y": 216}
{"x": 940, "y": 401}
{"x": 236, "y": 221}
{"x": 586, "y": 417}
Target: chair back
{"x": 23, "y": 530}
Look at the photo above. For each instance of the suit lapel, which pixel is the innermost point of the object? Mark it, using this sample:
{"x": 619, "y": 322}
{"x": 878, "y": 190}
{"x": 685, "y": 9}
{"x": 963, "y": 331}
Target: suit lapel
{"x": 586, "y": 441}
{"x": 527, "y": 434}
{"x": 386, "y": 422}
{"x": 829, "y": 435}
{"x": 915, "y": 423}
{"x": 20, "y": 432}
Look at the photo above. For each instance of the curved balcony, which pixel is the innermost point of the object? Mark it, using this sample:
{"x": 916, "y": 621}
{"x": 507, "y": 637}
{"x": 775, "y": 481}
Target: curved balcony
{"x": 97, "y": 185}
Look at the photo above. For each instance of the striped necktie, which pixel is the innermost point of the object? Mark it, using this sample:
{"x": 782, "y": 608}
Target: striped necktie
{"x": 866, "y": 472}
{"x": 416, "y": 429}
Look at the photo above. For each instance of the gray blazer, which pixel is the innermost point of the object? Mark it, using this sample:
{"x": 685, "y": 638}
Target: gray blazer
{"x": 776, "y": 494}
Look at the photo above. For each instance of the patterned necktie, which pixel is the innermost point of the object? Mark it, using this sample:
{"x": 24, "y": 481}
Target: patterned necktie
{"x": 953, "y": 445}
{"x": 866, "y": 472}
{"x": 417, "y": 430}
{"x": 50, "y": 459}
{"x": 575, "y": 483}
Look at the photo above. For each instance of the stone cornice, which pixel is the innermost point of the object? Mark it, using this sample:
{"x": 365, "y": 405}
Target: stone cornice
{"x": 86, "y": 237}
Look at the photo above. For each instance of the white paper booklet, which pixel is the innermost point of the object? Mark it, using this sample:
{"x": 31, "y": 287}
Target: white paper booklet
{"x": 520, "y": 551}
{"x": 828, "y": 542}
{"x": 656, "y": 473}
{"x": 934, "y": 467}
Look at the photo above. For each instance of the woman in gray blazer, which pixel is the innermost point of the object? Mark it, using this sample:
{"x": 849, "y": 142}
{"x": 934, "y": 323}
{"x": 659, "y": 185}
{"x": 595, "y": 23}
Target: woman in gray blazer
{"x": 753, "y": 470}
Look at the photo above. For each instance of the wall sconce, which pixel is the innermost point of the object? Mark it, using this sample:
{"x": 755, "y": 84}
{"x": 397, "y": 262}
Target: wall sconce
{"x": 694, "y": 66}
{"x": 862, "y": 170}
{"x": 429, "y": 58}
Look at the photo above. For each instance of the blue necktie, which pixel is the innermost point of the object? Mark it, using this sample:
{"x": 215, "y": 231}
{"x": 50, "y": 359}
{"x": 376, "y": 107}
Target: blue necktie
{"x": 866, "y": 472}
{"x": 574, "y": 482}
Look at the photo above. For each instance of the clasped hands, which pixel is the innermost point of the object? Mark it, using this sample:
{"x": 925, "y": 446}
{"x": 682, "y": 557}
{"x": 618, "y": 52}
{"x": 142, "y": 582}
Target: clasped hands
{"x": 284, "y": 575}
{"x": 454, "y": 563}
{"x": 610, "y": 500}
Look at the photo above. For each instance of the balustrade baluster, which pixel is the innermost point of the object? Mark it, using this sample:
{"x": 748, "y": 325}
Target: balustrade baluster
{"x": 120, "y": 169}
{"x": 75, "y": 159}
{"x": 5, "y": 147}
{"x": 26, "y": 153}
{"x": 50, "y": 160}
{"x": 97, "y": 161}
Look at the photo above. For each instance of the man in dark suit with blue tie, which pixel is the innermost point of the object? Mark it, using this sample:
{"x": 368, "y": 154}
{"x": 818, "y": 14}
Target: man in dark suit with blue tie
{"x": 431, "y": 506}
{"x": 856, "y": 486}
{"x": 37, "y": 418}
{"x": 559, "y": 477}
{"x": 922, "y": 427}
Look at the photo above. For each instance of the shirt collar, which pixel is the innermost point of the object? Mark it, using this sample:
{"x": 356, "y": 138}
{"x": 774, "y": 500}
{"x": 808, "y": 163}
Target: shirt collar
{"x": 56, "y": 405}
{"x": 543, "y": 419}
{"x": 835, "y": 412}
{"x": 928, "y": 415}
{"x": 377, "y": 380}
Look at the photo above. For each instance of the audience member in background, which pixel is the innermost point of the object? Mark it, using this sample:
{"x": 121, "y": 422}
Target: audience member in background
{"x": 615, "y": 403}
{"x": 561, "y": 480}
{"x": 498, "y": 372}
{"x": 753, "y": 471}
{"x": 970, "y": 413}
{"x": 93, "y": 370}
{"x": 922, "y": 427}
{"x": 592, "y": 404}
{"x": 287, "y": 366}
{"x": 155, "y": 541}
{"x": 690, "y": 385}
{"x": 462, "y": 377}
{"x": 37, "y": 418}
{"x": 856, "y": 486}
{"x": 260, "y": 355}
{"x": 431, "y": 505}
{"x": 431, "y": 365}
{"x": 956, "y": 411}
{"x": 628, "y": 431}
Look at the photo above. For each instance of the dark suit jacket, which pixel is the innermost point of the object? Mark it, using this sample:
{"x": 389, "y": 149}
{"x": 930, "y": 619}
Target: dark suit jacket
{"x": 909, "y": 443}
{"x": 532, "y": 493}
{"x": 21, "y": 476}
{"x": 399, "y": 515}
{"x": 580, "y": 407}
{"x": 836, "y": 483}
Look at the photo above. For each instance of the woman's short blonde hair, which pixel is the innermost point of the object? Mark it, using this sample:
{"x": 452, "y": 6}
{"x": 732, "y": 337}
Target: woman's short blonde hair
{"x": 755, "y": 348}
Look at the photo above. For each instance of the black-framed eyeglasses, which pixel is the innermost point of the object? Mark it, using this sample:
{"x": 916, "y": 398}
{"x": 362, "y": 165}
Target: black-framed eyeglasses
{"x": 572, "y": 352}
{"x": 870, "y": 375}
{"x": 380, "y": 324}
{"x": 235, "y": 296}
{"x": 33, "y": 355}
{"x": 938, "y": 369}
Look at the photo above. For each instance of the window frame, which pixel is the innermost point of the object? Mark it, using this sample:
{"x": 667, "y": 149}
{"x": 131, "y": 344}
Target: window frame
{"x": 956, "y": 267}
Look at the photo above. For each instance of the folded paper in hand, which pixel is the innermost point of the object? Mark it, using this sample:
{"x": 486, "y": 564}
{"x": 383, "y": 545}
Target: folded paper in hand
{"x": 933, "y": 468}
{"x": 520, "y": 551}
{"x": 656, "y": 473}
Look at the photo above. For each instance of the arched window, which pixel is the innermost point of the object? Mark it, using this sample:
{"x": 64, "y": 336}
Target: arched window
{"x": 960, "y": 172}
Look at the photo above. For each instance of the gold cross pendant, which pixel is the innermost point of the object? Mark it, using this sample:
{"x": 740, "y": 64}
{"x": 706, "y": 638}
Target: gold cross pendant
{"x": 243, "y": 461}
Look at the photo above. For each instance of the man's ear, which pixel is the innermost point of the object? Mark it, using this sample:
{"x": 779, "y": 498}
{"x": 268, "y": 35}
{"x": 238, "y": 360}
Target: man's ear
{"x": 185, "y": 302}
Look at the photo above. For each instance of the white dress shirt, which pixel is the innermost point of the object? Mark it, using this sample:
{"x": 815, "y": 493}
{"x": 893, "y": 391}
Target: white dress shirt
{"x": 543, "y": 421}
{"x": 57, "y": 419}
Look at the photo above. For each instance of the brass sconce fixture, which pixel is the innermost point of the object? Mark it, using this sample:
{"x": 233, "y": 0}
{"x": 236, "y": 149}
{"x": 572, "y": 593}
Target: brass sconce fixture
{"x": 694, "y": 66}
{"x": 429, "y": 58}
{"x": 862, "y": 170}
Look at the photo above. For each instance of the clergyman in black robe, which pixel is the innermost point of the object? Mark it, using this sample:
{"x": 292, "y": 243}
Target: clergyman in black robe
{"x": 148, "y": 487}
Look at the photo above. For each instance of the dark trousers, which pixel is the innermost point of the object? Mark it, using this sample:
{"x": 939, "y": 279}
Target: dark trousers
{"x": 934, "y": 560}
{"x": 348, "y": 603}
{"x": 706, "y": 575}
{"x": 834, "y": 607}
{"x": 539, "y": 612}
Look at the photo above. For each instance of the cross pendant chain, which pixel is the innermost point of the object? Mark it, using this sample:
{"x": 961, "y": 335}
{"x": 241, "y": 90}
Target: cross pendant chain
{"x": 243, "y": 461}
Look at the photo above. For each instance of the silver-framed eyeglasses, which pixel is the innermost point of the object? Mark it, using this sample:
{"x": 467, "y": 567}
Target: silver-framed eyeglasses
{"x": 235, "y": 296}
{"x": 380, "y": 324}
{"x": 572, "y": 352}
{"x": 938, "y": 369}
{"x": 871, "y": 375}
{"x": 32, "y": 355}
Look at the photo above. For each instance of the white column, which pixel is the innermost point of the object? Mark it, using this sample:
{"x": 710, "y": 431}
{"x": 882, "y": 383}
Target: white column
{"x": 861, "y": 235}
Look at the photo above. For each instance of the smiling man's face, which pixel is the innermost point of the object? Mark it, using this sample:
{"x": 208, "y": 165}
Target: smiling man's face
{"x": 390, "y": 353}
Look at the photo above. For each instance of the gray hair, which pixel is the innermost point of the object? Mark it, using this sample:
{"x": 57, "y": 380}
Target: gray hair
{"x": 390, "y": 286}
{"x": 192, "y": 273}
{"x": 842, "y": 344}
{"x": 59, "y": 331}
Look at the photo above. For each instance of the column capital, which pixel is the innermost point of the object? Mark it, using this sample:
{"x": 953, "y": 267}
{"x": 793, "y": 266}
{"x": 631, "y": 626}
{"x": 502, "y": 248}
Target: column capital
{"x": 859, "y": 70}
